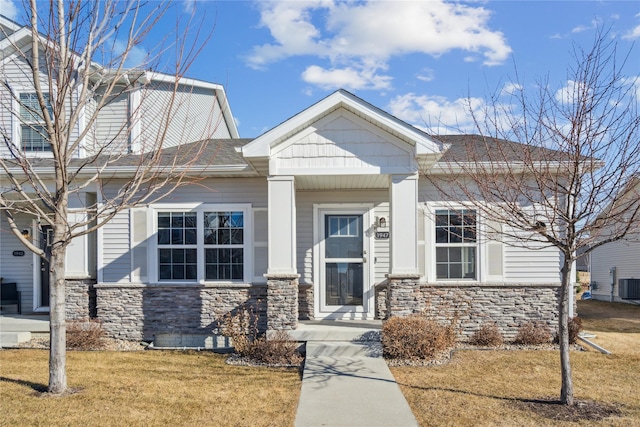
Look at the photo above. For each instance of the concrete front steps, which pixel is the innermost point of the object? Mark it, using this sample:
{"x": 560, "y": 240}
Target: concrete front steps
{"x": 346, "y": 382}
{"x": 16, "y": 329}
{"x": 10, "y": 339}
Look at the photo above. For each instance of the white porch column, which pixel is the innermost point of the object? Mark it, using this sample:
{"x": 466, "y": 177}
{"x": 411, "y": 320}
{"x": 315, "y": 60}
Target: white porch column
{"x": 403, "y": 239}
{"x": 282, "y": 225}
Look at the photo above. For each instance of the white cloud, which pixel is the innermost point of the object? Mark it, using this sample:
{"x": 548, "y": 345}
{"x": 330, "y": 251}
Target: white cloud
{"x": 189, "y": 6}
{"x": 136, "y": 57}
{"x": 345, "y": 78}
{"x": 436, "y": 114}
{"x": 634, "y": 83}
{"x": 361, "y": 37}
{"x": 591, "y": 26}
{"x": 426, "y": 75}
{"x": 511, "y": 88}
{"x": 633, "y": 33}
{"x": 8, "y": 9}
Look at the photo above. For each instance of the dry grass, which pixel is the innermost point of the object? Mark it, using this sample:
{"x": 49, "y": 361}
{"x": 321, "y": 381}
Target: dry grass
{"x": 491, "y": 388}
{"x": 149, "y": 388}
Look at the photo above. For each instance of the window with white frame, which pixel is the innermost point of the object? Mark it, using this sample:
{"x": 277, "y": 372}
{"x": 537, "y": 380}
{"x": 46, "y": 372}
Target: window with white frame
{"x": 456, "y": 244}
{"x": 224, "y": 245}
{"x": 33, "y": 133}
{"x": 203, "y": 244}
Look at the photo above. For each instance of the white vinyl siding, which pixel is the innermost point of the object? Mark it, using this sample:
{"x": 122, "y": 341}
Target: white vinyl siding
{"x": 18, "y": 269}
{"x": 111, "y": 127}
{"x": 624, "y": 256}
{"x": 194, "y": 115}
{"x": 342, "y": 141}
{"x": 537, "y": 263}
{"x": 513, "y": 263}
{"x": 116, "y": 254}
{"x": 124, "y": 253}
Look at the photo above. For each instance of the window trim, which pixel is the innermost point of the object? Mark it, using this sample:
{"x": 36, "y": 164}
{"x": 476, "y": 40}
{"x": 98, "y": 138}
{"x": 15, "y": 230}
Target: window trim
{"x": 18, "y": 123}
{"x": 200, "y": 209}
{"x": 431, "y": 245}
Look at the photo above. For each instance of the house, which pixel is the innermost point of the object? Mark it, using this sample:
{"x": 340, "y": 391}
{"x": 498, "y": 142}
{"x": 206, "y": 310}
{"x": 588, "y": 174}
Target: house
{"x": 328, "y": 215}
{"x": 615, "y": 266}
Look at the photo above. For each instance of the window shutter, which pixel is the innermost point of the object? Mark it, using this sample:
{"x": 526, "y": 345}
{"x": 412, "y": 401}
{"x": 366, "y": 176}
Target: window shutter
{"x": 260, "y": 244}
{"x": 422, "y": 238}
{"x": 139, "y": 245}
{"x": 494, "y": 253}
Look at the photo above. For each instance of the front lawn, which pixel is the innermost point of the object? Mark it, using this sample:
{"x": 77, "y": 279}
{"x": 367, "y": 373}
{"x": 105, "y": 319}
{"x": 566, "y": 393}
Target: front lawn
{"x": 505, "y": 387}
{"x": 146, "y": 388}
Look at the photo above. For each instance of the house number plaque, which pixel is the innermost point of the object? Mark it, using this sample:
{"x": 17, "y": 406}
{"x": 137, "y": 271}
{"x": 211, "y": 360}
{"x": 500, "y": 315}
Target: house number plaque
{"x": 18, "y": 253}
{"x": 382, "y": 234}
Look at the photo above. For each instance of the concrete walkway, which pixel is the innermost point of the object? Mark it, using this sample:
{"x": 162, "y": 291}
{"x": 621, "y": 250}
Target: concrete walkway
{"x": 346, "y": 382}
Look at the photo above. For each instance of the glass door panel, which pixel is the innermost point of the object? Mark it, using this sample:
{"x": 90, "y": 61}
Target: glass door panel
{"x": 343, "y": 260}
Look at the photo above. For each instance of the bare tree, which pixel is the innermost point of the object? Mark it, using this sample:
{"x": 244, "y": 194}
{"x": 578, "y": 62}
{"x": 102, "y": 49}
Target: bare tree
{"x": 74, "y": 61}
{"x": 571, "y": 179}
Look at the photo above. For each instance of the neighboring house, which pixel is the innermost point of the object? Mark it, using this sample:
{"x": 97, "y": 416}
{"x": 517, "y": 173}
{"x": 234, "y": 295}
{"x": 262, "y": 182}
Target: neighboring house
{"x": 615, "y": 267}
{"x": 329, "y": 215}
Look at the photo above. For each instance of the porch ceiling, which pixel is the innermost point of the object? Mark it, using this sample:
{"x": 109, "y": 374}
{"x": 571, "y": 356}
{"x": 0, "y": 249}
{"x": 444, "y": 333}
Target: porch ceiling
{"x": 341, "y": 182}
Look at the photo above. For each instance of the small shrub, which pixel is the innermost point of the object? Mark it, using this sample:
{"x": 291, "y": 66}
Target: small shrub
{"x": 488, "y": 335}
{"x": 416, "y": 337}
{"x": 280, "y": 349}
{"x": 85, "y": 334}
{"x": 533, "y": 333}
{"x": 575, "y": 326}
{"x": 242, "y": 328}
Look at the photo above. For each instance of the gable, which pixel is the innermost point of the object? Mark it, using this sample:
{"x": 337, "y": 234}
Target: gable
{"x": 342, "y": 143}
{"x": 366, "y": 140}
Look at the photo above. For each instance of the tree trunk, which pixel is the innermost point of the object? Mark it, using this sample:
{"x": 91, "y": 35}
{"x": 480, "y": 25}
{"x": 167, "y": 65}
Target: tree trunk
{"x": 566, "y": 392}
{"x": 57, "y": 322}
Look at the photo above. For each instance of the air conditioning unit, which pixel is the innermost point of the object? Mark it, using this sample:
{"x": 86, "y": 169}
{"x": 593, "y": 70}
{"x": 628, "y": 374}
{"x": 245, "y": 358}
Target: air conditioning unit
{"x": 629, "y": 288}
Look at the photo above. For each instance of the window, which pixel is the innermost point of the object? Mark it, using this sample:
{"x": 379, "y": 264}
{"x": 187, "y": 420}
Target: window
{"x": 202, "y": 245}
{"x": 223, "y": 240}
{"x": 33, "y": 133}
{"x": 177, "y": 246}
{"x": 456, "y": 244}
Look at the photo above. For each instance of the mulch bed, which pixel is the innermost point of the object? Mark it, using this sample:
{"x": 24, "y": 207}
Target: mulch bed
{"x": 581, "y": 410}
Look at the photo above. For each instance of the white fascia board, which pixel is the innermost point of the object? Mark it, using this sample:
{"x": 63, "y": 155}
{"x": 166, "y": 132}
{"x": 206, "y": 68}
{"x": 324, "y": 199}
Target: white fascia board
{"x": 25, "y": 33}
{"x": 128, "y": 171}
{"x": 347, "y": 171}
{"x": 6, "y": 22}
{"x": 14, "y": 38}
{"x": 226, "y": 111}
{"x": 447, "y": 168}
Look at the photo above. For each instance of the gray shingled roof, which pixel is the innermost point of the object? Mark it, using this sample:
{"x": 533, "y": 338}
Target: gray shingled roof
{"x": 476, "y": 148}
{"x": 212, "y": 152}
{"x": 222, "y": 152}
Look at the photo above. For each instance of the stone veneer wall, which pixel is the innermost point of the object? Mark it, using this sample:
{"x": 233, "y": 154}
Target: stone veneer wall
{"x": 282, "y": 301}
{"x": 139, "y": 311}
{"x": 381, "y": 291}
{"x": 508, "y": 305}
{"x": 305, "y": 302}
{"x": 80, "y": 296}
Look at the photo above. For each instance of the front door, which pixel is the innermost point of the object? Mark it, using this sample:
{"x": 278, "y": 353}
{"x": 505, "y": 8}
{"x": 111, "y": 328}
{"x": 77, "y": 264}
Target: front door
{"x": 343, "y": 268}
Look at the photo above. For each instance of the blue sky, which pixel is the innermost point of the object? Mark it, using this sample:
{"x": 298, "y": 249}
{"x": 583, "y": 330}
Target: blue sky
{"x": 417, "y": 60}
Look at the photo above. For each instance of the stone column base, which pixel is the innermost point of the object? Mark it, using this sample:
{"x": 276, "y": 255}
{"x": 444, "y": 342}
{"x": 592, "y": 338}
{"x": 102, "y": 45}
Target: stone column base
{"x": 403, "y": 295}
{"x": 282, "y": 301}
